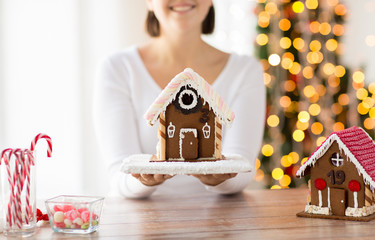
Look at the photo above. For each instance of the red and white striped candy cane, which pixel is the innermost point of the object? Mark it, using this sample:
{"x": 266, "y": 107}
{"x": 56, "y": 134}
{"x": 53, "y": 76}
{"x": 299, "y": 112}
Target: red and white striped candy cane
{"x": 18, "y": 182}
{"x": 47, "y": 138}
{"x": 29, "y": 161}
{"x": 6, "y": 156}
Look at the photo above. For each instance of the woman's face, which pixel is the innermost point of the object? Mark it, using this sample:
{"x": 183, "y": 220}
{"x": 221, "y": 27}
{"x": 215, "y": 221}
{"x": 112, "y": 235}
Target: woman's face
{"x": 180, "y": 15}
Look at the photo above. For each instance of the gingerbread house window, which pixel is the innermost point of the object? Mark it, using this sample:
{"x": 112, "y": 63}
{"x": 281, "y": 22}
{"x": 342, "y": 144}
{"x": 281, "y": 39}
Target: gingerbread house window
{"x": 337, "y": 160}
{"x": 188, "y": 101}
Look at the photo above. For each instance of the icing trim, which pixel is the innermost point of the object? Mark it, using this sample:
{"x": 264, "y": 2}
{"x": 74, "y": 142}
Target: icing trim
{"x": 182, "y": 136}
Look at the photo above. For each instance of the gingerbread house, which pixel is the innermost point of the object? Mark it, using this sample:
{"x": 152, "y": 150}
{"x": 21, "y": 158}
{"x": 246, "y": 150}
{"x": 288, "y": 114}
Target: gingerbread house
{"x": 191, "y": 115}
{"x": 342, "y": 179}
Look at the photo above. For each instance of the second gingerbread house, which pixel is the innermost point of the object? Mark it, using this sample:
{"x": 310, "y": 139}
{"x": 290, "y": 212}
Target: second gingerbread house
{"x": 191, "y": 115}
{"x": 342, "y": 179}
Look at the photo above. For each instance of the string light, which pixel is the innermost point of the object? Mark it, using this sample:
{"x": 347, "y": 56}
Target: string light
{"x": 320, "y": 140}
{"x": 285, "y": 181}
{"x": 308, "y": 72}
{"x": 314, "y": 109}
{"x": 331, "y": 45}
{"x": 285, "y": 42}
{"x": 316, "y": 128}
{"x": 284, "y": 24}
{"x": 311, "y": 4}
{"x": 343, "y": 99}
{"x": 277, "y": 173}
{"x": 298, "y": 7}
{"x": 267, "y": 150}
{"x": 262, "y": 39}
{"x": 274, "y": 59}
{"x": 298, "y": 135}
{"x": 358, "y": 77}
{"x": 273, "y": 121}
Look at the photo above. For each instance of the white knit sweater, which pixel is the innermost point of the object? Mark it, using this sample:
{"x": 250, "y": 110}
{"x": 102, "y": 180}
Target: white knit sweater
{"x": 124, "y": 91}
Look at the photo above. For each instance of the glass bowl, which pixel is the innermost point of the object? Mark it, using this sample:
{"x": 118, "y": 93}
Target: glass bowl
{"x": 74, "y": 214}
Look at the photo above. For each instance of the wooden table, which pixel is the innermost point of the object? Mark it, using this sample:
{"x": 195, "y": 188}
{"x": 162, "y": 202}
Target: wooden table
{"x": 253, "y": 214}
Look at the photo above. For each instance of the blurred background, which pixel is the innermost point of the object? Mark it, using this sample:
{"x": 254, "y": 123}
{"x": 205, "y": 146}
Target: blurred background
{"x": 318, "y": 57}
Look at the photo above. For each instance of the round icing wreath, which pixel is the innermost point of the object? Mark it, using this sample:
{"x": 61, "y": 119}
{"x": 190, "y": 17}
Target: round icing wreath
{"x": 187, "y": 100}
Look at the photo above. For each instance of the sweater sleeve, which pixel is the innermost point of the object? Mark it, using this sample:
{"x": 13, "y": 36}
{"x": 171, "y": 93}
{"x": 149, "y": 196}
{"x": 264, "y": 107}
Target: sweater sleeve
{"x": 245, "y": 135}
{"x": 116, "y": 128}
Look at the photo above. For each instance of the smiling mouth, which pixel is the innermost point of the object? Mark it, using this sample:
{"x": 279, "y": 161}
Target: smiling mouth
{"x": 181, "y": 8}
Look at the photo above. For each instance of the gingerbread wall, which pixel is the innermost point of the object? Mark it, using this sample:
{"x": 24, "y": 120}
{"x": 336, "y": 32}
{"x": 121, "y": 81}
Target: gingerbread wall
{"x": 206, "y": 146}
{"x": 332, "y": 175}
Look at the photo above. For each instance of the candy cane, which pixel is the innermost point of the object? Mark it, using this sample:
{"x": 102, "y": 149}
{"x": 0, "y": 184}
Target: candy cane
{"x": 29, "y": 160}
{"x": 48, "y": 139}
{"x": 18, "y": 180}
{"x": 6, "y": 157}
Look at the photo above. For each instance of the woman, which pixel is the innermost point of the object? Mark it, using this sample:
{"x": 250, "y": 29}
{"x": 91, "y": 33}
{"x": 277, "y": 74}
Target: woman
{"x": 131, "y": 80}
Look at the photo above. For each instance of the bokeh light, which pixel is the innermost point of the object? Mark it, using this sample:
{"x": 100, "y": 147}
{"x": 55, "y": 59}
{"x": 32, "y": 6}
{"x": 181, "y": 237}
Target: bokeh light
{"x": 315, "y": 45}
{"x": 338, "y": 126}
{"x": 285, "y": 181}
{"x": 298, "y": 135}
{"x": 289, "y": 85}
{"x": 338, "y": 30}
{"x": 309, "y": 91}
{"x": 262, "y": 39}
{"x": 298, "y": 7}
{"x": 285, "y": 101}
{"x": 331, "y": 45}
{"x": 343, "y": 99}
{"x": 267, "y": 150}
{"x": 308, "y": 72}
{"x": 311, "y": 4}
{"x": 361, "y": 93}
{"x": 303, "y": 116}
{"x": 314, "y": 109}
{"x": 358, "y": 77}
{"x": 277, "y": 173}
{"x": 320, "y": 140}
{"x": 316, "y": 128}
{"x": 285, "y": 42}
{"x": 314, "y": 26}
{"x": 298, "y": 43}
{"x": 274, "y": 59}
{"x": 369, "y": 123}
{"x": 273, "y": 121}
{"x": 271, "y": 7}
{"x": 324, "y": 28}
{"x": 284, "y": 24}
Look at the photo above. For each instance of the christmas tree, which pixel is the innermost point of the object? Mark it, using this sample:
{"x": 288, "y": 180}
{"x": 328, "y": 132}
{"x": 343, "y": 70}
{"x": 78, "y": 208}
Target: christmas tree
{"x": 309, "y": 92}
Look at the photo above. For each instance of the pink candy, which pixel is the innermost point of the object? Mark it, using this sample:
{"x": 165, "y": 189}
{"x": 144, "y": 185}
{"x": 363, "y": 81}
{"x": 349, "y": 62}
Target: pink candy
{"x": 73, "y": 217}
{"x": 72, "y": 214}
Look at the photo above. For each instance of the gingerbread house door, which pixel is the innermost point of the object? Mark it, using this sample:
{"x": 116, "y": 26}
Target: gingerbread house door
{"x": 188, "y": 143}
{"x": 338, "y": 201}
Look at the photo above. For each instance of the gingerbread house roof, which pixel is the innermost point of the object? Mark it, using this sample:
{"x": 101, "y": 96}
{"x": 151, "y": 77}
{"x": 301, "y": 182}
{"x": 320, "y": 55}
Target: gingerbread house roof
{"x": 357, "y": 146}
{"x": 204, "y": 90}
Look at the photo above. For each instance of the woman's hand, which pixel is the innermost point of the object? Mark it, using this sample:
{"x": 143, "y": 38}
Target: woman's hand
{"x": 214, "y": 179}
{"x": 151, "y": 179}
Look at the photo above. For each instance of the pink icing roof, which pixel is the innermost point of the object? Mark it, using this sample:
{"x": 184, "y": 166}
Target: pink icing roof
{"x": 204, "y": 89}
{"x": 358, "y": 147}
